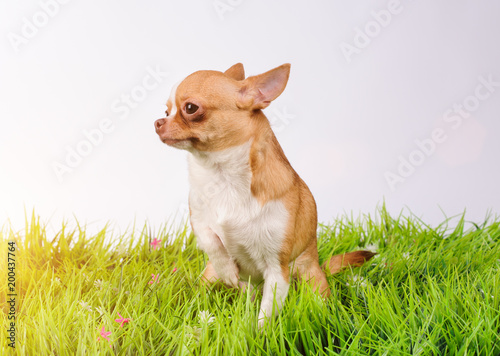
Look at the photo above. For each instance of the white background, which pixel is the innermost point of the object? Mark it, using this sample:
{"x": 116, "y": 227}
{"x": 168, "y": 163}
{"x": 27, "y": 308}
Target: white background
{"x": 350, "y": 119}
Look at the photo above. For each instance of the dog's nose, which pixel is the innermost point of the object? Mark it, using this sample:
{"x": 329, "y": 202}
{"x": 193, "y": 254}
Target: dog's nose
{"x": 159, "y": 123}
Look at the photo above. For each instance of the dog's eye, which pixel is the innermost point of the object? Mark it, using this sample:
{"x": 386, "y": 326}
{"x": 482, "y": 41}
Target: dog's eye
{"x": 191, "y": 108}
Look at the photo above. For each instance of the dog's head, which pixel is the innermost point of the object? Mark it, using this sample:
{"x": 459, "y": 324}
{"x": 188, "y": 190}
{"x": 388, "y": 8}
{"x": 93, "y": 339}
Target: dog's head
{"x": 211, "y": 110}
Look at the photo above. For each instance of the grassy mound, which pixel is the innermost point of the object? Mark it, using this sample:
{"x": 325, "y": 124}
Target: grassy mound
{"x": 428, "y": 291}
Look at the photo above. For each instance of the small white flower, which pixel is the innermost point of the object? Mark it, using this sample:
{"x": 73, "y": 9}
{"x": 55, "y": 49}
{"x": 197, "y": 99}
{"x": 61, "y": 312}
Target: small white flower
{"x": 85, "y": 306}
{"x": 357, "y": 281}
{"x": 87, "y": 279}
{"x": 56, "y": 280}
{"x": 371, "y": 247}
{"x": 98, "y": 283}
{"x": 193, "y": 332}
{"x": 406, "y": 255}
{"x": 100, "y": 310}
{"x": 206, "y": 317}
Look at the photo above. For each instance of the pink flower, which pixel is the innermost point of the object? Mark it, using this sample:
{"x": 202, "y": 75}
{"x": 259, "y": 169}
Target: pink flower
{"x": 174, "y": 270}
{"x": 122, "y": 320}
{"x": 104, "y": 334}
{"x": 154, "y": 278}
{"x": 155, "y": 243}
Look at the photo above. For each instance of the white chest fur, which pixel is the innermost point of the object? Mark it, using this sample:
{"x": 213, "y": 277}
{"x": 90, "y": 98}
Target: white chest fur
{"x": 221, "y": 202}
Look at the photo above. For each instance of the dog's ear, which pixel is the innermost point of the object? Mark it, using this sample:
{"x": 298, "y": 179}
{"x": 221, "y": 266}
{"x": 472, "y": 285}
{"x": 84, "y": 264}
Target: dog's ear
{"x": 237, "y": 72}
{"x": 258, "y": 91}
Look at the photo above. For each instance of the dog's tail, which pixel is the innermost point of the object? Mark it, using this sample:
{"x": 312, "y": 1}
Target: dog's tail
{"x": 351, "y": 259}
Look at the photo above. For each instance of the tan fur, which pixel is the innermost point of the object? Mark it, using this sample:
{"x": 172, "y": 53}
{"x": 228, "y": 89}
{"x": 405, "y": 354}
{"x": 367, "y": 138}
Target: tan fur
{"x": 351, "y": 259}
{"x": 237, "y": 72}
{"x": 209, "y": 275}
{"x": 229, "y": 115}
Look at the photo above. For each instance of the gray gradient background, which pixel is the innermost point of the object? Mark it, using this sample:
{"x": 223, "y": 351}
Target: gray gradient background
{"x": 349, "y": 121}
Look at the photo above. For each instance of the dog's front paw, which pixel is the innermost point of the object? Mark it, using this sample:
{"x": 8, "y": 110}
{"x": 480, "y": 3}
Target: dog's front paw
{"x": 261, "y": 321}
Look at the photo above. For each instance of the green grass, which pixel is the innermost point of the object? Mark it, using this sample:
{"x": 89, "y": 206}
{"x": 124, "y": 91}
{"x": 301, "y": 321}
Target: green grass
{"x": 429, "y": 291}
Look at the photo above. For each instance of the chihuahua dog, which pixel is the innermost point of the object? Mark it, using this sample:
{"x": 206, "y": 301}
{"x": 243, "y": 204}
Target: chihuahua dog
{"x": 250, "y": 211}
